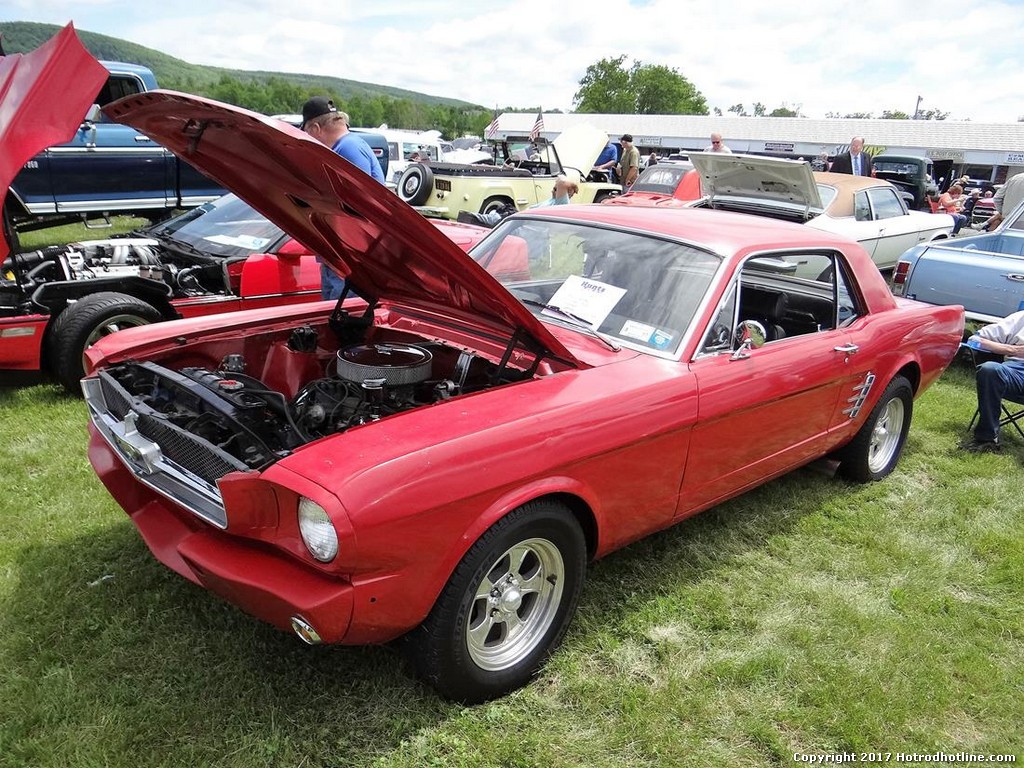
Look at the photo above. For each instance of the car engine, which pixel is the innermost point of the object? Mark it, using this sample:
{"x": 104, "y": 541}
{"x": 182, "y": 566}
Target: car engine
{"x": 255, "y": 424}
{"x": 23, "y": 273}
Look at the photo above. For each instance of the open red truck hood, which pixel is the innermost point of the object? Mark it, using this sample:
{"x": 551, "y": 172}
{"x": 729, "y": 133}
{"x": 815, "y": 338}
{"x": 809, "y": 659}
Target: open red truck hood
{"x": 386, "y": 250}
{"x": 43, "y": 96}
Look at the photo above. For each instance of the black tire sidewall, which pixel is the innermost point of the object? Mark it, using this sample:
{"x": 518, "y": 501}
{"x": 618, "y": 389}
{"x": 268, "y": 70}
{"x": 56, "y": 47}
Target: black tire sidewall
{"x": 72, "y": 328}
{"x": 439, "y": 646}
{"x": 425, "y": 183}
{"x": 496, "y": 204}
{"x": 854, "y": 456}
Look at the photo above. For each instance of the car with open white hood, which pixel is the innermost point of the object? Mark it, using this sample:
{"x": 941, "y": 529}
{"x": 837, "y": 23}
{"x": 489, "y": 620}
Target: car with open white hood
{"x": 522, "y": 175}
{"x": 439, "y": 455}
{"x": 870, "y": 211}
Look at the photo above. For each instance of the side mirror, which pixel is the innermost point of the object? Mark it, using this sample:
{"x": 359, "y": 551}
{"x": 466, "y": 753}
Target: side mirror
{"x": 751, "y": 335}
{"x": 89, "y": 125}
{"x": 293, "y": 249}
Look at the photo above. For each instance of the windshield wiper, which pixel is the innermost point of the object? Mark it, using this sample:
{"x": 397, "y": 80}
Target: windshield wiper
{"x": 576, "y": 320}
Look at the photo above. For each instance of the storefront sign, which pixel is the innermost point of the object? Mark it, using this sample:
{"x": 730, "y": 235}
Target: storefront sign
{"x": 777, "y": 146}
{"x": 1015, "y": 158}
{"x": 946, "y": 154}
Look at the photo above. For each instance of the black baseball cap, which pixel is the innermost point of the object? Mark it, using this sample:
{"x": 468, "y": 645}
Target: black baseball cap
{"x": 315, "y": 107}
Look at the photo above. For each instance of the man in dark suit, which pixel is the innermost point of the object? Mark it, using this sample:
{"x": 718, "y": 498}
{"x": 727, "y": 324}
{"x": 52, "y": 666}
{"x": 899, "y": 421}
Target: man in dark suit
{"x": 856, "y": 161}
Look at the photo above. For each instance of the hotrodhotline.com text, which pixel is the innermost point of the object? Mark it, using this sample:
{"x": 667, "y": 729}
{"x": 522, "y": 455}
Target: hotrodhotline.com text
{"x": 834, "y": 758}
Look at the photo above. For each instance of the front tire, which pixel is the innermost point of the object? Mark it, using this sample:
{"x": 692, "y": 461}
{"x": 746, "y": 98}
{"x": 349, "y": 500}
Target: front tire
{"x": 506, "y": 607}
{"x": 876, "y": 449}
{"x": 84, "y": 323}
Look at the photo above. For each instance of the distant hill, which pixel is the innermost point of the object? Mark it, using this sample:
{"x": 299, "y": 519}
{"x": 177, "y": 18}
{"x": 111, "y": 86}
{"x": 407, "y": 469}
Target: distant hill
{"x": 24, "y": 36}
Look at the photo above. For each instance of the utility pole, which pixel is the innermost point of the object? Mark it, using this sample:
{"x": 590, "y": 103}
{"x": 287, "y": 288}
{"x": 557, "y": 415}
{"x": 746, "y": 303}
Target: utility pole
{"x": 917, "y": 109}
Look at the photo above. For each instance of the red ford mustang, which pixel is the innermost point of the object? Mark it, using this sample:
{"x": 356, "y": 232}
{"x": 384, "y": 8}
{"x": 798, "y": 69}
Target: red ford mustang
{"x": 57, "y": 301}
{"x": 441, "y": 455}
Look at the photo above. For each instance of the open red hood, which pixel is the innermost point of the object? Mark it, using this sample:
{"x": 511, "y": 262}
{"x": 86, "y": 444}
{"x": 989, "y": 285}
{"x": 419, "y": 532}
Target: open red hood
{"x": 385, "y": 249}
{"x": 43, "y": 96}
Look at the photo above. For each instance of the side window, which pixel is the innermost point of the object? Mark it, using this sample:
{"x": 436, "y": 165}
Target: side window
{"x": 885, "y": 202}
{"x": 846, "y": 303}
{"x": 861, "y": 209}
{"x": 795, "y": 294}
{"x": 719, "y": 336}
{"x": 116, "y": 87}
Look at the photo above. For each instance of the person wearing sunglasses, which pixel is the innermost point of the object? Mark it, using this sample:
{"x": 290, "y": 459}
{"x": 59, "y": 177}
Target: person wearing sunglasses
{"x": 717, "y": 145}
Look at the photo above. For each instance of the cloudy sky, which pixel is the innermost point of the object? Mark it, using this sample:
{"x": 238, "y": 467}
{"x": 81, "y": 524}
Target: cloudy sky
{"x": 962, "y": 57}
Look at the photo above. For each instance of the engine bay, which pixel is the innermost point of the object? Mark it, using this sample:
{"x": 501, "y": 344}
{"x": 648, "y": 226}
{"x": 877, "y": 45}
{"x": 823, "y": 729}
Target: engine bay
{"x": 258, "y": 407}
{"x": 186, "y": 274}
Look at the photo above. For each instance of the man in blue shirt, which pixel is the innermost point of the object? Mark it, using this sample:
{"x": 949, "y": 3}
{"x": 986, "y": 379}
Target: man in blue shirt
{"x": 322, "y": 120}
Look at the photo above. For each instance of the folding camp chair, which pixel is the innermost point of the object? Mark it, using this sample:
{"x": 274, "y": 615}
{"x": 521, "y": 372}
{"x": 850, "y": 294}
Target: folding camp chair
{"x": 1013, "y": 408}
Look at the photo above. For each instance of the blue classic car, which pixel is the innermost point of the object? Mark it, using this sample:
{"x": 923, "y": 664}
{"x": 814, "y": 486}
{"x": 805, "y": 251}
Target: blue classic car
{"x": 985, "y": 272}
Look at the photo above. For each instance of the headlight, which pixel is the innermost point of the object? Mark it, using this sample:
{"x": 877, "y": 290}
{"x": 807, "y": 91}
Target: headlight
{"x": 317, "y": 530}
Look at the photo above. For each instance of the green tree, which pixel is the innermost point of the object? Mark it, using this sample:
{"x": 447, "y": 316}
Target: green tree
{"x": 894, "y": 114}
{"x": 738, "y": 109}
{"x": 644, "y": 89}
{"x": 784, "y": 111}
{"x": 759, "y": 109}
{"x": 661, "y": 90}
{"x": 604, "y": 87}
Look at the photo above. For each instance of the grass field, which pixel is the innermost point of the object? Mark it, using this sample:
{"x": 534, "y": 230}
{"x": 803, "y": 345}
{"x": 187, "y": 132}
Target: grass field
{"x": 810, "y": 616}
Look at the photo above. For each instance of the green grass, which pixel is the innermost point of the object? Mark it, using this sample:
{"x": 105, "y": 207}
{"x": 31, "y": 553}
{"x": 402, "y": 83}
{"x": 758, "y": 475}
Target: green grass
{"x": 808, "y": 616}
{"x": 73, "y": 233}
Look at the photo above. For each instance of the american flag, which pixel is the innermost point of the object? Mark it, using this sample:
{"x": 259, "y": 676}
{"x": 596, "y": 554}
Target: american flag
{"x": 492, "y": 128}
{"x": 538, "y": 126}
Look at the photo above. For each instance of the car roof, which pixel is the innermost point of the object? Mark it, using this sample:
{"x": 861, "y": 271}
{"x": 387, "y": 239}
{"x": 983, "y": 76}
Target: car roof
{"x": 724, "y": 232}
{"x": 847, "y": 186}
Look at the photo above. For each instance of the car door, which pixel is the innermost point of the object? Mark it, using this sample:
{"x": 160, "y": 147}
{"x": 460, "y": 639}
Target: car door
{"x": 765, "y": 410}
{"x": 897, "y": 230}
{"x": 108, "y": 164}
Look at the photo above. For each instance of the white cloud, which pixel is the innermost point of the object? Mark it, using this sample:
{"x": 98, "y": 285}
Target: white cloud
{"x": 829, "y": 56}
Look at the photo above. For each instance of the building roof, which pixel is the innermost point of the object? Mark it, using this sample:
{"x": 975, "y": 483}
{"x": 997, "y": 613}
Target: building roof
{"x": 940, "y": 134}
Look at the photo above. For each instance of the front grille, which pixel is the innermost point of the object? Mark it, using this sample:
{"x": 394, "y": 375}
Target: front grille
{"x": 115, "y": 397}
{"x": 187, "y": 451}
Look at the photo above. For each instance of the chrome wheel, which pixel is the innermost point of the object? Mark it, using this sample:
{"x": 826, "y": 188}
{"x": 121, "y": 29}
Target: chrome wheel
{"x": 886, "y": 436}
{"x": 515, "y": 604}
{"x": 112, "y": 325}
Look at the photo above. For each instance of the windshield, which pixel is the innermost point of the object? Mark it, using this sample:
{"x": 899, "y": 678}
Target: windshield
{"x": 661, "y": 179}
{"x": 898, "y": 168}
{"x": 225, "y": 227}
{"x": 640, "y": 290}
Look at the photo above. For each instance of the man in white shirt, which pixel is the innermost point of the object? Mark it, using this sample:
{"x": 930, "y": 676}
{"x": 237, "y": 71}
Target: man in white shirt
{"x": 996, "y": 381}
{"x": 717, "y": 145}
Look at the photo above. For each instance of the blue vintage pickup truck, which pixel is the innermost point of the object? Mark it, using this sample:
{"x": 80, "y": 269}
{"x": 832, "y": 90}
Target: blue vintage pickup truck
{"x": 984, "y": 273}
{"x": 110, "y": 168}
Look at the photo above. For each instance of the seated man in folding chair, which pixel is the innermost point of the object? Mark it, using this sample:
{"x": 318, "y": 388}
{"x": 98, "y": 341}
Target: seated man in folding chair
{"x": 997, "y": 381}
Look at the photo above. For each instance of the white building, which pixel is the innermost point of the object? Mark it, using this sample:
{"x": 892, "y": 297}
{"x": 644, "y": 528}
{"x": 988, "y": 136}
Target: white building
{"x": 990, "y": 151}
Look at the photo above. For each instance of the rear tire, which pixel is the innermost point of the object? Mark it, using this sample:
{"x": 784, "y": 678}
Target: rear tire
{"x": 84, "y": 323}
{"x": 506, "y": 606}
{"x": 498, "y": 204}
{"x": 876, "y": 448}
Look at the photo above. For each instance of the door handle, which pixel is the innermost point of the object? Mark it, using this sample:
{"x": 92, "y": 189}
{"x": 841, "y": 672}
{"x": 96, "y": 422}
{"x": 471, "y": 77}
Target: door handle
{"x": 1014, "y": 277}
{"x": 847, "y": 349}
